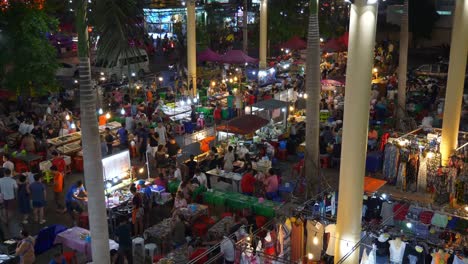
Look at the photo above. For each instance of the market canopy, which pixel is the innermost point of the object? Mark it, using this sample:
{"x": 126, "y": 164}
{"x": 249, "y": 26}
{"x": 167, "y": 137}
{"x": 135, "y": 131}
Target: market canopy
{"x": 208, "y": 55}
{"x": 294, "y": 43}
{"x": 334, "y": 45}
{"x": 329, "y": 82}
{"x": 371, "y": 185}
{"x": 271, "y": 104}
{"x": 237, "y": 57}
{"x": 243, "y": 125}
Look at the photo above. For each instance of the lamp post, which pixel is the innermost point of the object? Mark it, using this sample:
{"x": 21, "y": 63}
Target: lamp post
{"x": 191, "y": 46}
{"x": 362, "y": 26}
{"x": 456, "y": 78}
{"x": 263, "y": 33}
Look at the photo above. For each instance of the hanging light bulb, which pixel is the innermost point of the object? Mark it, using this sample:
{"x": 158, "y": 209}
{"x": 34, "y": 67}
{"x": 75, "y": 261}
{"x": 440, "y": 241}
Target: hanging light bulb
{"x": 122, "y": 111}
{"x": 182, "y": 103}
{"x": 100, "y": 111}
{"x": 189, "y": 102}
{"x": 291, "y": 108}
{"x": 310, "y": 256}
{"x": 72, "y": 126}
{"x": 305, "y": 96}
{"x": 195, "y": 100}
{"x": 67, "y": 117}
{"x": 108, "y": 116}
{"x": 315, "y": 240}
{"x": 141, "y": 170}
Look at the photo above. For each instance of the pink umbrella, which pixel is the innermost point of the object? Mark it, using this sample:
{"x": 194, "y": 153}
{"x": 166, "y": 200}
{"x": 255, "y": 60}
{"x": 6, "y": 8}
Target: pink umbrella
{"x": 237, "y": 57}
{"x": 330, "y": 82}
{"x": 208, "y": 55}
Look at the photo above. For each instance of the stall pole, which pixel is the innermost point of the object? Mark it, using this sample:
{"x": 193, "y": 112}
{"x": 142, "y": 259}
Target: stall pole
{"x": 245, "y": 43}
{"x": 147, "y": 166}
{"x": 403, "y": 64}
{"x": 191, "y": 46}
{"x": 263, "y": 33}
{"x": 456, "y": 78}
{"x": 362, "y": 23}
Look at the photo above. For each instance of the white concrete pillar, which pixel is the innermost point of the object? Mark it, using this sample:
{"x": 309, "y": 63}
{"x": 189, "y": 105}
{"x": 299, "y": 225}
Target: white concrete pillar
{"x": 191, "y": 46}
{"x": 455, "y": 81}
{"x": 362, "y": 29}
{"x": 263, "y": 33}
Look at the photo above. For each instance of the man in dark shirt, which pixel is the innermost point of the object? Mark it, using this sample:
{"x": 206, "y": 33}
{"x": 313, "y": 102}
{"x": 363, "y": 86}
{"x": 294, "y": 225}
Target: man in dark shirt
{"x": 192, "y": 165}
{"x": 193, "y": 115}
{"x": 142, "y": 141}
{"x": 123, "y": 235}
{"x": 172, "y": 147}
{"x": 109, "y": 141}
{"x": 153, "y": 141}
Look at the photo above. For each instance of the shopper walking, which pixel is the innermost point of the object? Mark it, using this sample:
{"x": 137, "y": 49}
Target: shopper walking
{"x": 8, "y": 189}
{"x": 58, "y": 190}
{"x": 137, "y": 211}
{"x": 24, "y": 203}
{"x": 38, "y": 196}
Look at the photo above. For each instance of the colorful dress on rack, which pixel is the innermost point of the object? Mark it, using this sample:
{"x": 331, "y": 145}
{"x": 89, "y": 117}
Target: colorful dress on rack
{"x": 422, "y": 174}
{"x": 297, "y": 240}
{"x": 390, "y": 165}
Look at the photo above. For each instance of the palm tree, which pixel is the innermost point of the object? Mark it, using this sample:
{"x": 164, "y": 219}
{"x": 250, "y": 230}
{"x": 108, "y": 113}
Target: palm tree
{"x": 91, "y": 145}
{"x": 403, "y": 64}
{"x": 312, "y": 158}
{"x": 245, "y": 43}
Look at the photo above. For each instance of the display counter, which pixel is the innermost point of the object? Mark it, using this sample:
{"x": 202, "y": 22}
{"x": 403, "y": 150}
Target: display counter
{"x": 171, "y": 110}
{"x": 58, "y": 141}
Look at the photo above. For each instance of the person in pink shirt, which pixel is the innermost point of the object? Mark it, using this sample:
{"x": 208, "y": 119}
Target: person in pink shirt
{"x": 271, "y": 184}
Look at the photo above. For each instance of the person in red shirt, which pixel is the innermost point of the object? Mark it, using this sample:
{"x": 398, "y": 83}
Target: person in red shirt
{"x": 58, "y": 190}
{"x": 251, "y": 98}
{"x": 217, "y": 115}
{"x": 58, "y": 162}
{"x": 248, "y": 181}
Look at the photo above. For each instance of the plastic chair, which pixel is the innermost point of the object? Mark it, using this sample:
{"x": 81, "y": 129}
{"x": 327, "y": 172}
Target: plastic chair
{"x": 138, "y": 242}
{"x": 21, "y": 167}
{"x": 199, "y": 229}
{"x": 151, "y": 250}
{"x": 83, "y": 220}
{"x": 324, "y": 161}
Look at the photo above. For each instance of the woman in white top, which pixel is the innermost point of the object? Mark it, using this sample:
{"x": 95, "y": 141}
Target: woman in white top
{"x": 229, "y": 159}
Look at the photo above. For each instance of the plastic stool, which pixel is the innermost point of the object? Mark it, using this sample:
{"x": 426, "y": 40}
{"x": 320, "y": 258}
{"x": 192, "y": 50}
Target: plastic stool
{"x": 188, "y": 127}
{"x": 70, "y": 257}
{"x": 283, "y": 154}
{"x": 199, "y": 229}
{"x": 83, "y": 221}
{"x": 21, "y": 167}
{"x": 151, "y": 249}
{"x": 324, "y": 162}
{"x": 78, "y": 163}
{"x": 226, "y": 214}
{"x": 138, "y": 241}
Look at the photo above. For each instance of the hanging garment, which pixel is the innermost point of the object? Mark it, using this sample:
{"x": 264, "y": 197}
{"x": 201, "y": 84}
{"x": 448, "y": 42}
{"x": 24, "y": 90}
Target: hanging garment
{"x": 439, "y": 220}
{"x": 387, "y": 213}
{"x": 458, "y": 260}
{"x": 440, "y": 258}
{"x": 364, "y": 258}
{"x": 397, "y": 250}
{"x": 297, "y": 240}
{"x": 372, "y": 257}
{"x": 391, "y": 156}
{"x": 333, "y": 204}
{"x": 401, "y": 178}
{"x": 330, "y": 230}
{"x": 280, "y": 240}
{"x": 249, "y": 259}
{"x": 315, "y": 232}
{"x": 422, "y": 174}
{"x": 451, "y": 179}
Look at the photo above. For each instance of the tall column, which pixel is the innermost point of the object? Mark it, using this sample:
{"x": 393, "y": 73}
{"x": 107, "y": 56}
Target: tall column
{"x": 455, "y": 82}
{"x": 263, "y": 33}
{"x": 363, "y": 20}
{"x": 403, "y": 65}
{"x": 191, "y": 46}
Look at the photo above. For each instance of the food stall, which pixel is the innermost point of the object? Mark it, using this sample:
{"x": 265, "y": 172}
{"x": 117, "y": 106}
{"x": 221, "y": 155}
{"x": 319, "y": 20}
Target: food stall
{"x": 277, "y": 112}
{"x": 244, "y": 126}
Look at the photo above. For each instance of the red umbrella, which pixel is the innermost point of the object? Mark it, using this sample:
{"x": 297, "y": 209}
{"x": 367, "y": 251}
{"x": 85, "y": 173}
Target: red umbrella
{"x": 333, "y": 45}
{"x": 294, "y": 43}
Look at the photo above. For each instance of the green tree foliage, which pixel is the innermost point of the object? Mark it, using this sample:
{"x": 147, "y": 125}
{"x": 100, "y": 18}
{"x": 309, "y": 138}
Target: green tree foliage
{"x": 28, "y": 60}
{"x": 119, "y": 24}
{"x": 287, "y": 19}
